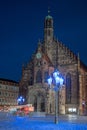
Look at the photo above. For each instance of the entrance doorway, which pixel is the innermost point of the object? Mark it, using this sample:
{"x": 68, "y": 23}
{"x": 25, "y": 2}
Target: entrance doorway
{"x": 39, "y": 103}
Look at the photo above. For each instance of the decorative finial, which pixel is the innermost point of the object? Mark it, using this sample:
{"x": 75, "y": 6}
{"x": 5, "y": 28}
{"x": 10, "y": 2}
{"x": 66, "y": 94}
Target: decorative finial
{"x": 48, "y": 10}
{"x": 39, "y": 43}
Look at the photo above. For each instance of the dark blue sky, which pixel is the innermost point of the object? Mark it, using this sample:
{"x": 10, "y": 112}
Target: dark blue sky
{"x": 22, "y": 24}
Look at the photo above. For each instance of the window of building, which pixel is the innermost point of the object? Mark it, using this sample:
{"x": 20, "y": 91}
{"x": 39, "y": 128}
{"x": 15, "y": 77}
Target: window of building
{"x": 72, "y": 110}
{"x": 46, "y": 76}
{"x": 44, "y": 63}
{"x": 2, "y": 100}
{"x": 68, "y": 88}
{"x": 38, "y": 77}
{"x": 6, "y": 94}
{"x": 31, "y": 81}
{"x": 6, "y": 87}
{"x": 49, "y": 24}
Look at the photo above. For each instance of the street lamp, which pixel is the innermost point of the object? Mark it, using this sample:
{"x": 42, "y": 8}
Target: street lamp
{"x": 57, "y": 80}
{"x": 20, "y": 100}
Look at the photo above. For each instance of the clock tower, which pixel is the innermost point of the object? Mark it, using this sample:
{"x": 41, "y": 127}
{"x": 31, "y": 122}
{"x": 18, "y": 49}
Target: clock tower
{"x": 50, "y": 46}
{"x": 48, "y": 28}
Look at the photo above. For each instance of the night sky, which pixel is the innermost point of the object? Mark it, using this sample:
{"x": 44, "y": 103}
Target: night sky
{"x": 22, "y": 25}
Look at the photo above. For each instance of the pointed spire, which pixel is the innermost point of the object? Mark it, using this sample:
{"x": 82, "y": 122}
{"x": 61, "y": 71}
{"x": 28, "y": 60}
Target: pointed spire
{"x": 39, "y": 45}
{"x": 49, "y": 16}
{"x": 78, "y": 61}
{"x": 39, "y": 42}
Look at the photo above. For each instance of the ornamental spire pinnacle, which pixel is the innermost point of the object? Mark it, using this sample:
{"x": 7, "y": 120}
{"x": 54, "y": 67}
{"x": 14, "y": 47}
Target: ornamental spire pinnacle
{"x": 48, "y": 10}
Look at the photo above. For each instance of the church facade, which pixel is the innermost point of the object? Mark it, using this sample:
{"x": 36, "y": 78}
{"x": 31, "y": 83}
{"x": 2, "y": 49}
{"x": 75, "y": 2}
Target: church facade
{"x": 51, "y": 54}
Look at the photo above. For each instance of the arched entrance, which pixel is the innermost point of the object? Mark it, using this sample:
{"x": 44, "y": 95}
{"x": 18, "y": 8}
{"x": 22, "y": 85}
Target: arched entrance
{"x": 39, "y": 102}
{"x": 42, "y": 104}
{"x": 35, "y": 103}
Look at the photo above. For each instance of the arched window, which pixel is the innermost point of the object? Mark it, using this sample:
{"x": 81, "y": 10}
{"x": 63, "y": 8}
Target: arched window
{"x": 31, "y": 81}
{"x": 68, "y": 88}
{"x": 48, "y": 23}
{"x": 38, "y": 77}
{"x": 45, "y": 76}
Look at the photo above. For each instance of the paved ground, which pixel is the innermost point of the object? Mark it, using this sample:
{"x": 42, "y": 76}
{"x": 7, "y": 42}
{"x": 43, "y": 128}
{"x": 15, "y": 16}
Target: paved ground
{"x": 68, "y": 122}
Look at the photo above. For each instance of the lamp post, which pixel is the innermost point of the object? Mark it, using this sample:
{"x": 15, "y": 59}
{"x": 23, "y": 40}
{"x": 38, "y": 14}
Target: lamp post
{"x": 57, "y": 80}
{"x": 20, "y": 100}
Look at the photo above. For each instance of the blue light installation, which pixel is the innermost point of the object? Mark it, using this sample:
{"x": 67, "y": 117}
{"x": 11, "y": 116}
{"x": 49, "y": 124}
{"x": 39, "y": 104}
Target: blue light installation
{"x": 20, "y": 100}
{"x": 57, "y": 80}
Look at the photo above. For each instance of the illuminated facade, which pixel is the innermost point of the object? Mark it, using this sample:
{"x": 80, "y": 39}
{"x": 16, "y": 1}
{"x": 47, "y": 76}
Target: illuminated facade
{"x": 9, "y": 91}
{"x": 49, "y": 55}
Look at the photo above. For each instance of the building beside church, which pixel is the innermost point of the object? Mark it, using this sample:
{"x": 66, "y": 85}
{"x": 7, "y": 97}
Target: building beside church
{"x": 9, "y": 91}
{"x": 51, "y": 54}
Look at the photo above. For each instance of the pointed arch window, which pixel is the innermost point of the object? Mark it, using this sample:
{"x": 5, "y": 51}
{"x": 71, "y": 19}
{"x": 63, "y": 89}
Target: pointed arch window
{"x": 45, "y": 76}
{"x": 31, "y": 81}
{"x": 68, "y": 88}
{"x": 38, "y": 77}
{"x": 48, "y": 23}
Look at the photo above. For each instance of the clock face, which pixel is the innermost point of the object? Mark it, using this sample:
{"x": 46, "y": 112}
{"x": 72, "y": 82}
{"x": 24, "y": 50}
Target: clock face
{"x": 38, "y": 55}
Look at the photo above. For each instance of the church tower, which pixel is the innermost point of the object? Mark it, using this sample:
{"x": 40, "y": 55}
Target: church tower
{"x": 51, "y": 48}
{"x": 48, "y": 28}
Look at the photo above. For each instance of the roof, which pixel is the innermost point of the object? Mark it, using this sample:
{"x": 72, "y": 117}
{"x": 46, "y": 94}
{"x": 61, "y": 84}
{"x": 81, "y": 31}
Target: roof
{"x": 48, "y": 17}
{"x": 8, "y": 80}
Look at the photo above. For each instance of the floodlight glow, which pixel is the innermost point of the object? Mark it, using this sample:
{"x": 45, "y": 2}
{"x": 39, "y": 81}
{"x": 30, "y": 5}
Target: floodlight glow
{"x": 49, "y": 81}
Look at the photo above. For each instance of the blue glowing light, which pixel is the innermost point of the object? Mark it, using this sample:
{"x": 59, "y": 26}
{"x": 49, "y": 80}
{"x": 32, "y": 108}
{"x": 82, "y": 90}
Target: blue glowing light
{"x": 20, "y": 100}
{"x": 61, "y": 81}
{"x": 21, "y": 97}
{"x": 56, "y": 79}
{"x": 55, "y": 74}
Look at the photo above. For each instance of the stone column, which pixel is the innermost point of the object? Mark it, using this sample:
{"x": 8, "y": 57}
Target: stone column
{"x": 38, "y": 104}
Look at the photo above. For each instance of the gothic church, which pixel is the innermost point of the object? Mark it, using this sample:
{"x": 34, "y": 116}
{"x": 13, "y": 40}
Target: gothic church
{"x": 51, "y": 54}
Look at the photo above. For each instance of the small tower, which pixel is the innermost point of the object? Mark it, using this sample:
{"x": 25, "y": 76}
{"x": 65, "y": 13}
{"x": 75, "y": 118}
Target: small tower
{"x": 48, "y": 28}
